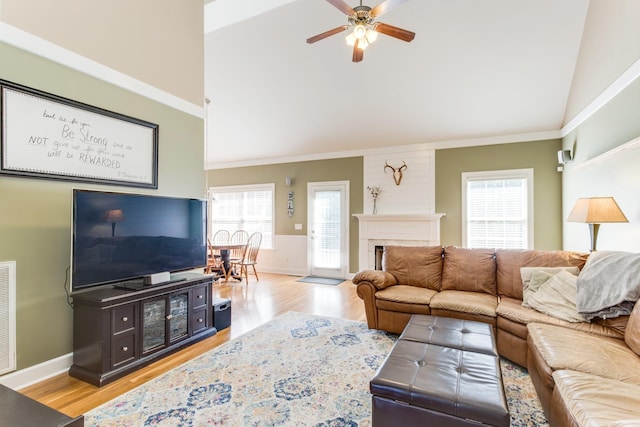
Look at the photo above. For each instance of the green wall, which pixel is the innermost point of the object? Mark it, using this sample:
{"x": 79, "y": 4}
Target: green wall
{"x": 539, "y": 155}
{"x": 35, "y": 214}
{"x": 346, "y": 169}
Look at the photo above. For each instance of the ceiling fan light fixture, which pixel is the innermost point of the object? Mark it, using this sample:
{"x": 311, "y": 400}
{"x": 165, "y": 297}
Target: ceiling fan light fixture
{"x": 371, "y": 36}
{"x": 359, "y": 31}
{"x": 351, "y": 39}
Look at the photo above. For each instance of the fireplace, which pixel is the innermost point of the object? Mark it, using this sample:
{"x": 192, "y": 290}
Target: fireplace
{"x": 378, "y": 251}
{"x": 394, "y": 230}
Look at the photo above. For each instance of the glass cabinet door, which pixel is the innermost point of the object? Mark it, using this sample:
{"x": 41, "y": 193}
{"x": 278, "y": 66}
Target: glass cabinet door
{"x": 153, "y": 324}
{"x": 178, "y": 316}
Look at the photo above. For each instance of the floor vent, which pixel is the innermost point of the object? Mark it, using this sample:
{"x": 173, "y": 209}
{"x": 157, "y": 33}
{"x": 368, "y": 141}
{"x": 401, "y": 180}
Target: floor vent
{"x": 7, "y": 317}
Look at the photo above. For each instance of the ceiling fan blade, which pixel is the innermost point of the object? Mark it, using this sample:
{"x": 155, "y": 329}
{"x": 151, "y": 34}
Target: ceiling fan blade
{"x": 358, "y": 54}
{"x": 396, "y": 32}
{"x": 385, "y": 7}
{"x": 345, "y": 8}
{"x": 327, "y": 34}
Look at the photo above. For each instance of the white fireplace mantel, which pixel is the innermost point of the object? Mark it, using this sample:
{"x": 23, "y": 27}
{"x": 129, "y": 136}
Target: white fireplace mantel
{"x": 395, "y": 229}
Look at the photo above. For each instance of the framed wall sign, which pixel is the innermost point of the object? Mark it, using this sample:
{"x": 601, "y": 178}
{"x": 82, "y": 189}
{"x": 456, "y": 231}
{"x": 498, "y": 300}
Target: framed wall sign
{"x": 47, "y": 136}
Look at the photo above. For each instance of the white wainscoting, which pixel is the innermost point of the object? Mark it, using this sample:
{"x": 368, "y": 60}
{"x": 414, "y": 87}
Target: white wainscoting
{"x": 288, "y": 257}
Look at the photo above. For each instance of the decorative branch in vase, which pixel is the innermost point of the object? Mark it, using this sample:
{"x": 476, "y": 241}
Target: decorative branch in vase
{"x": 375, "y": 192}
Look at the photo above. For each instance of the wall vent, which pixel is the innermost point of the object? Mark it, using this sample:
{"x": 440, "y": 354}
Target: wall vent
{"x": 7, "y": 317}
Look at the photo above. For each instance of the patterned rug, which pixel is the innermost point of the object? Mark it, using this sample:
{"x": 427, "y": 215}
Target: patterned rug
{"x": 296, "y": 370}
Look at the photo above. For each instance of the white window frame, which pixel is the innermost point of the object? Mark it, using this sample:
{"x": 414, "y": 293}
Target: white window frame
{"x": 244, "y": 188}
{"x": 499, "y": 175}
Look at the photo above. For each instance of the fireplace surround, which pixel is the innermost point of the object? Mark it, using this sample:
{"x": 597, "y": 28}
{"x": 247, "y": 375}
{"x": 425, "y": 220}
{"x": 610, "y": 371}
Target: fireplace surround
{"x": 397, "y": 230}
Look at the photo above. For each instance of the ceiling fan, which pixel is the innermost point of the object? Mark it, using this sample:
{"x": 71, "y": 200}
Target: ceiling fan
{"x": 365, "y": 28}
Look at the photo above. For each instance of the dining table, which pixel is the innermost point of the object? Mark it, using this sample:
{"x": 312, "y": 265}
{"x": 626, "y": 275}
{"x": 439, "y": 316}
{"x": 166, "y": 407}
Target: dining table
{"x": 225, "y": 251}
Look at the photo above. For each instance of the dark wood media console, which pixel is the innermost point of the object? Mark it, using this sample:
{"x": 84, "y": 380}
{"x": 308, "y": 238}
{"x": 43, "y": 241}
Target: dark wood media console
{"x": 116, "y": 331}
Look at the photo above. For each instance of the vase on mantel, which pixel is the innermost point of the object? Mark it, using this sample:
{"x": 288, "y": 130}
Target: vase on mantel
{"x": 375, "y": 208}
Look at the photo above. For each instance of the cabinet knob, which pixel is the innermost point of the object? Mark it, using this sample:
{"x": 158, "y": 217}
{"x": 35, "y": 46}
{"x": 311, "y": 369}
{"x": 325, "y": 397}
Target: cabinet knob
{"x": 200, "y": 296}
{"x": 125, "y": 318}
{"x": 200, "y": 320}
{"x": 169, "y": 317}
{"x": 125, "y": 348}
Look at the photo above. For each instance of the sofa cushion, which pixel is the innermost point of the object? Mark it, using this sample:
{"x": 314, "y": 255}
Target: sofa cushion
{"x": 632, "y": 332}
{"x": 472, "y": 270}
{"x": 511, "y": 309}
{"x": 534, "y": 277}
{"x": 557, "y": 298}
{"x": 406, "y": 294}
{"x": 509, "y": 262}
{"x": 593, "y": 400}
{"x": 563, "y": 348}
{"x": 465, "y": 302}
{"x": 414, "y": 266}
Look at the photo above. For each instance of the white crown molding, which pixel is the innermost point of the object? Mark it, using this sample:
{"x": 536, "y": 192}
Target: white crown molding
{"x": 474, "y": 142}
{"x": 38, "y": 46}
{"x": 628, "y": 77}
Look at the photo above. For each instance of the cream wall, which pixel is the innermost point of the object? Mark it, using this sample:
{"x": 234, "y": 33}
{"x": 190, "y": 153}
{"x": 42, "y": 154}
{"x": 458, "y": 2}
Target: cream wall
{"x": 610, "y": 45}
{"x": 607, "y": 72}
{"x": 35, "y": 218}
{"x": 159, "y": 42}
{"x": 615, "y": 124}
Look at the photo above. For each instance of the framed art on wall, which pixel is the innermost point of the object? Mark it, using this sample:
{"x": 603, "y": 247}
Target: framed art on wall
{"x": 48, "y": 136}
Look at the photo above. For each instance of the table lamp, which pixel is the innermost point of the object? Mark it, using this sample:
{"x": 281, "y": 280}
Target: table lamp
{"x": 595, "y": 211}
{"x": 113, "y": 216}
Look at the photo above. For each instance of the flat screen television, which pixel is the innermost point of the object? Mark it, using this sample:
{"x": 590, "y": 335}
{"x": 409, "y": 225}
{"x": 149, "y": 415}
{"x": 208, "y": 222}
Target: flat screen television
{"x": 122, "y": 237}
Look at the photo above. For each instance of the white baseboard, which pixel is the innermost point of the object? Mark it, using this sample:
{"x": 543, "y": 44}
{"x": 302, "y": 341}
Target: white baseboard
{"x": 37, "y": 373}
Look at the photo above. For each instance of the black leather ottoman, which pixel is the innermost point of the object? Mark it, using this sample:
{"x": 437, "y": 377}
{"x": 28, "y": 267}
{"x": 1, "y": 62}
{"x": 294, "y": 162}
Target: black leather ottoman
{"x": 449, "y": 332}
{"x": 424, "y": 383}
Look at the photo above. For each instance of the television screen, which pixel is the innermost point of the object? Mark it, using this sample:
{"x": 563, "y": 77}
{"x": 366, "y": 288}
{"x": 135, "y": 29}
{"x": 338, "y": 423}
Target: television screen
{"x": 119, "y": 237}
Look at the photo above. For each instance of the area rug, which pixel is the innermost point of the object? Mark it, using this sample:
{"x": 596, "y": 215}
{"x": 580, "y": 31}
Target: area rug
{"x": 296, "y": 370}
{"x": 321, "y": 280}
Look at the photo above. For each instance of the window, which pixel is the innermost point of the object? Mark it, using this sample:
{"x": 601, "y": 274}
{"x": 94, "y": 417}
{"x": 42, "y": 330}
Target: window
{"x": 243, "y": 207}
{"x": 497, "y": 209}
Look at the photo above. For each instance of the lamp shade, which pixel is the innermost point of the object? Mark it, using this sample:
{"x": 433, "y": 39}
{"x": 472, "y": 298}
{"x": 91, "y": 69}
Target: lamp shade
{"x": 114, "y": 215}
{"x": 596, "y": 210}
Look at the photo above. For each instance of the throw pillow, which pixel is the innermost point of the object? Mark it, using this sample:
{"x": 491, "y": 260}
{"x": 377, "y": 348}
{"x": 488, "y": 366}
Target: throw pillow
{"x": 534, "y": 277}
{"x": 557, "y": 297}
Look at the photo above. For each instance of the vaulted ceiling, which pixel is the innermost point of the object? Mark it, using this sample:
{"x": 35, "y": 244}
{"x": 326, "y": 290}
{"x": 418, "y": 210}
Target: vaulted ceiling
{"x": 477, "y": 69}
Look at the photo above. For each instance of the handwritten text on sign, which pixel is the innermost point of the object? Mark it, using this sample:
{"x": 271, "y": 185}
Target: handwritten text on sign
{"x": 44, "y": 136}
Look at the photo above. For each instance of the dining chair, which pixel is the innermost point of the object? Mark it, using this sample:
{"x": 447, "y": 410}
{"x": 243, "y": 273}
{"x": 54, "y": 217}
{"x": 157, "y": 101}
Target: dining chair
{"x": 249, "y": 258}
{"x": 239, "y": 237}
{"x": 214, "y": 261}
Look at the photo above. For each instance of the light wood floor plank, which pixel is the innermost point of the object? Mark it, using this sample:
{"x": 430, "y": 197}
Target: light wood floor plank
{"x": 251, "y": 306}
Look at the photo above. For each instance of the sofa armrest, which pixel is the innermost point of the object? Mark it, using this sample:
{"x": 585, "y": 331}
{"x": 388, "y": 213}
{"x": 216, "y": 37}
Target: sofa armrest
{"x": 378, "y": 278}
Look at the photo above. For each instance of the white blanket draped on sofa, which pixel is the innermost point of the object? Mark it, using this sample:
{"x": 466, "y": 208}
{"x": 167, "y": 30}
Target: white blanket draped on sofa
{"x": 609, "y": 284}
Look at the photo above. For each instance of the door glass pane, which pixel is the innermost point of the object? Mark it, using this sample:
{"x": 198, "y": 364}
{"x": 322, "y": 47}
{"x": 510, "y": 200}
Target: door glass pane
{"x": 153, "y": 324}
{"x": 179, "y": 316}
{"x": 327, "y": 236}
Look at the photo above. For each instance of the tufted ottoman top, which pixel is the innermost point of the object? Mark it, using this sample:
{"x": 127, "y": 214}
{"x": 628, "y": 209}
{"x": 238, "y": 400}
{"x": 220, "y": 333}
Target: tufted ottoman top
{"x": 455, "y": 333}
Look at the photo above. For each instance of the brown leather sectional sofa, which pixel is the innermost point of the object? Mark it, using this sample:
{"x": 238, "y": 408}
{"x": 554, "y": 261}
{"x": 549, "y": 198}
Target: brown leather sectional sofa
{"x": 485, "y": 285}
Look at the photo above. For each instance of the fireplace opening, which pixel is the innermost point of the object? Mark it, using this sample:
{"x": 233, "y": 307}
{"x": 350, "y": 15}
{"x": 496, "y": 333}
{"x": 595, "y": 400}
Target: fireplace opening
{"x": 378, "y": 250}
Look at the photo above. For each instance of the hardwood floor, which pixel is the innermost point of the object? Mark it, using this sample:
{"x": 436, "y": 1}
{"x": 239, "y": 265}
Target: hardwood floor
{"x": 251, "y": 306}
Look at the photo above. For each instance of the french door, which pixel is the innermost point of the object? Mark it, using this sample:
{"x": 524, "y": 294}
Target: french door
{"x": 328, "y": 219}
